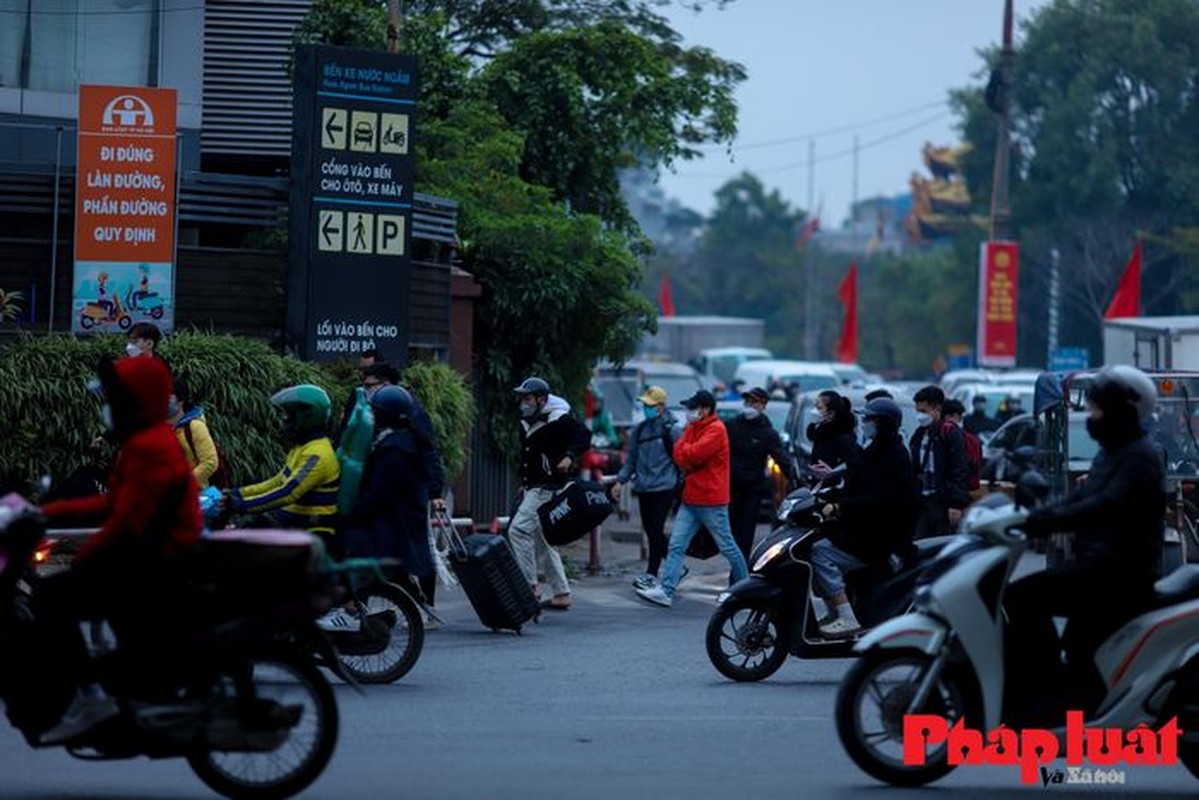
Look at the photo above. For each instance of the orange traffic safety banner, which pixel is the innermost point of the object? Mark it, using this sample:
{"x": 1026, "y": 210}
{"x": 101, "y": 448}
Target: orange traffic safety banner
{"x": 125, "y": 208}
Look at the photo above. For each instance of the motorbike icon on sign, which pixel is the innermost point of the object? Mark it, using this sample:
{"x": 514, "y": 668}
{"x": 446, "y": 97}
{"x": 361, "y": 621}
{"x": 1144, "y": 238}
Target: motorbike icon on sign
{"x": 394, "y": 137}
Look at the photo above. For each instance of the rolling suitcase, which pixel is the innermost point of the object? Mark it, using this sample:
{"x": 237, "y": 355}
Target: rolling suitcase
{"x": 494, "y": 584}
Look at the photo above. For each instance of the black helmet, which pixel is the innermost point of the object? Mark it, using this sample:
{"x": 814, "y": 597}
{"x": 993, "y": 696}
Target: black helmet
{"x": 884, "y": 408}
{"x": 393, "y": 403}
{"x": 535, "y": 386}
{"x": 1123, "y": 391}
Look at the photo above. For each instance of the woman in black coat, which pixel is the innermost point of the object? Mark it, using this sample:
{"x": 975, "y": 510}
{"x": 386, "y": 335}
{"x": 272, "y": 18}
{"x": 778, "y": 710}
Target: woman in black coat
{"x": 390, "y": 519}
{"x": 833, "y": 436}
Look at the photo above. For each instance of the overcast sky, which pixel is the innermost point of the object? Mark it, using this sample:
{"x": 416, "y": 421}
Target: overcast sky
{"x": 816, "y": 65}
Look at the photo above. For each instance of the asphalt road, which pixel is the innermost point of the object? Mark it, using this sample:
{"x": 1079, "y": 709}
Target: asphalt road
{"x": 612, "y": 699}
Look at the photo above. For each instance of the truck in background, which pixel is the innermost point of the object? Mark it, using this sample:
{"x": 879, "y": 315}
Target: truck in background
{"x": 1152, "y": 343}
{"x": 715, "y": 346}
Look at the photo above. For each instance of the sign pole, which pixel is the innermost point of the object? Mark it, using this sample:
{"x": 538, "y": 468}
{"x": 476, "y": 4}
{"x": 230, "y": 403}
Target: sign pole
{"x": 54, "y": 230}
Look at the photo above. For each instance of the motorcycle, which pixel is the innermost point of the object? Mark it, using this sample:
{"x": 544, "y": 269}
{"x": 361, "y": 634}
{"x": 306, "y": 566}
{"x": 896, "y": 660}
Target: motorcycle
{"x": 146, "y": 303}
{"x": 229, "y": 686}
{"x": 98, "y": 312}
{"x": 946, "y": 657}
{"x": 391, "y": 636}
{"x": 768, "y": 615}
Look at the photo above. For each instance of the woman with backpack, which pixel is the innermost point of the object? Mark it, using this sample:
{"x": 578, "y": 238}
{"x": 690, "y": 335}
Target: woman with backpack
{"x": 649, "y": 464}
{"x": 191, "y": 429}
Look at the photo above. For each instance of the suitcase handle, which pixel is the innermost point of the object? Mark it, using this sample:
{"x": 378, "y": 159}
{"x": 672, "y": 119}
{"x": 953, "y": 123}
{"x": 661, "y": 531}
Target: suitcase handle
{"x": 443, "y": 521}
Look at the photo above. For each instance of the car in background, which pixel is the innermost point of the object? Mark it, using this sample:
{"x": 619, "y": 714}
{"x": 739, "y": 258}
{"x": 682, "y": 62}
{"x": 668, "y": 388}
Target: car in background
{"x": 1024, "y": 430}
{"x": 807, "y": 375}
{"x": 995, "y": 393}
{"x": 800, "y": 414}
{"x": 957, "y": 377}
{"x": 719, "y": 364}
{"x": 621, "y": 386}
{"x": 850, "y": 374}
{"x": 775, "y": 479}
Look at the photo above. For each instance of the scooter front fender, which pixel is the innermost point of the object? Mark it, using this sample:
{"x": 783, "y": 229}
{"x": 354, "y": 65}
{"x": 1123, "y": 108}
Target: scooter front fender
{"x": 754, "y": 587}
{"x": 915, "y": 631}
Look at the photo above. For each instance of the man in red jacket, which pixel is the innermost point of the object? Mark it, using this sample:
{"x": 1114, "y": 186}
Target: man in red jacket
{"x": 151, "y": 517}
{"x": 702, "y": 453}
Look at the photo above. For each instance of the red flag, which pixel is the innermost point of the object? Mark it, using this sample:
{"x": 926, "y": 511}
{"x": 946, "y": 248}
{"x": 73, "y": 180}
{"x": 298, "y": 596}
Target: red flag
{"x": 1127, "y": 301}
{"x": 665, "y": 299}
{"x": 847, "y": 293}
{"x": 809, "y": 229}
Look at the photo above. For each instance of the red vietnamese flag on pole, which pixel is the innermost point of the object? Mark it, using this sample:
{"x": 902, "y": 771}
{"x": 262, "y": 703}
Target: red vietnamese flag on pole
{"x": 1127, "y": 300}
{"x": 847, "y": 293}
{"x": 665, "y": 298}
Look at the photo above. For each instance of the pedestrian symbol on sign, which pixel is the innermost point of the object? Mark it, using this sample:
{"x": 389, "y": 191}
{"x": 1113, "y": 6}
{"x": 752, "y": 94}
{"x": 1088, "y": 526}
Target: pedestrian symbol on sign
{"x": 361, "y": 232}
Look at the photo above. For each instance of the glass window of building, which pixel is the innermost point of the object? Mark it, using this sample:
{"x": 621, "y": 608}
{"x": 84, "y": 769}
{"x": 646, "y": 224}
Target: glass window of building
{"x": 70, "y": 42}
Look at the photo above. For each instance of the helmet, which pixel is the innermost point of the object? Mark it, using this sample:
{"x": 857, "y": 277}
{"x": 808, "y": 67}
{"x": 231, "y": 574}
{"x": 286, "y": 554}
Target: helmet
{"x": 306, "y": 405}
{"x": 533, "y": 385}
{"x": 1122, "y": 389}
{"x": 884, "y": 408}
{"x": 393, "y": 403}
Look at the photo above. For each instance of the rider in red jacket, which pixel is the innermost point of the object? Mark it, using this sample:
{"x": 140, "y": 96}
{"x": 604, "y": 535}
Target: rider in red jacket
{"x": 151, "y": 516}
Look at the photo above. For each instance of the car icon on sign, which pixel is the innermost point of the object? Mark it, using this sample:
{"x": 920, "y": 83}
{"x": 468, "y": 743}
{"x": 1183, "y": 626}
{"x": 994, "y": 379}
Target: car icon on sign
{"x": 364, "y": 133}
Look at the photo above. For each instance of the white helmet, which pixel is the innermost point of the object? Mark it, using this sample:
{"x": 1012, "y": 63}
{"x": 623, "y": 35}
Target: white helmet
{"x": 1118, "y": 388}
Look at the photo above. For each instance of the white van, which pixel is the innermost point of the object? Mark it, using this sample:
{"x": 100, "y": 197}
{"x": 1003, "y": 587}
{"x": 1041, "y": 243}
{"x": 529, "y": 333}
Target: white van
{"x": 811, "y": 376}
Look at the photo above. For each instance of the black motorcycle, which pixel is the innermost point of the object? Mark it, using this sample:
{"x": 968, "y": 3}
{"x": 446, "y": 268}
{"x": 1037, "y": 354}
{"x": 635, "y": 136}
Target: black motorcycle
{"x": 770, "y": 614}
{"x": 229, "y": 684}
{"x": 392, "y": 633}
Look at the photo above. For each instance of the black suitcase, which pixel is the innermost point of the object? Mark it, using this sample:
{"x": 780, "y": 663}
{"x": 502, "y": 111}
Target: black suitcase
{"x": 493, "y": 582}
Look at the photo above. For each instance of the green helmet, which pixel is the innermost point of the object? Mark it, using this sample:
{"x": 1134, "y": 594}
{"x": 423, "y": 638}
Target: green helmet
{"x": 306, "y": 405}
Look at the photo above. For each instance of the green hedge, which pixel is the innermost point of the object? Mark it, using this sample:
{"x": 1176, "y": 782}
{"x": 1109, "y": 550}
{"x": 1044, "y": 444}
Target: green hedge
{"x": 49, "y": 418}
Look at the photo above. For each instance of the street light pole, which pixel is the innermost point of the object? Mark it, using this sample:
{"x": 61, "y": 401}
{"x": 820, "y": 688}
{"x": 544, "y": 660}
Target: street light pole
{"x": 809, "y": 317}
{"x": 1001, "y": 212}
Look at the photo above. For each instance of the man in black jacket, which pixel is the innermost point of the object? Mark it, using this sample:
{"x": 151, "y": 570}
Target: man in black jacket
{"x": 551, "y": 442}
{"x": 752, "y": 438}
{"x": 1117, "y": 516}
{"x": 939, "y": 461}
{"x": 874, "y": 517}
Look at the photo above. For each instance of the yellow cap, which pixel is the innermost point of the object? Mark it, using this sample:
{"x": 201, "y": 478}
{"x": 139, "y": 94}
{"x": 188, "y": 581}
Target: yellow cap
{"x": 654, "y": 396}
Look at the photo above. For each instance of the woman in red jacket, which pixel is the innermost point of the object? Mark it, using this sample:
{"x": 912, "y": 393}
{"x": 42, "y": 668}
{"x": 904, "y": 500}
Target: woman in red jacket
{"x": 151, "y": 517}
{"x": 702, "y": 453}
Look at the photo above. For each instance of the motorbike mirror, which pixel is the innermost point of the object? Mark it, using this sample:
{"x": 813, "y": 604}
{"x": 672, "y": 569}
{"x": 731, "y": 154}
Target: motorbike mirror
{"x": 1031, "y": 489}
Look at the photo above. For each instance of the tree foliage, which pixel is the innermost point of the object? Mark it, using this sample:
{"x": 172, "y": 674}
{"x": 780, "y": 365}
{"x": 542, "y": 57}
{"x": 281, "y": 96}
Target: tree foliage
{"x": 1106, "y": 140}
{"x": 528, "y": 108}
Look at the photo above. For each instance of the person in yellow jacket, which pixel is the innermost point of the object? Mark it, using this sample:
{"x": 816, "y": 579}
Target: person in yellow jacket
{"x": 304, "y": 493}
{"x": 191, "y": 429}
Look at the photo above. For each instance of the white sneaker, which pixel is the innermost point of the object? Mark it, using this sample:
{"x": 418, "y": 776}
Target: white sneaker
{"x": 655, "y": 594}
{"x": 644, "y": 581}
{"x": 841, "y": 629}
{"x": 81, "y": 716}
{"x": 339, "y": 621}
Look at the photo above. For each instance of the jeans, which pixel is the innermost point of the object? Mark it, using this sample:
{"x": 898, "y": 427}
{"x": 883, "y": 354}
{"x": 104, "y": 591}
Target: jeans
{"x": 716, "y": 520}
{"x": 655, "y": 508}
{"x": 829, "y": 565}
{"x": 528, "y": 543}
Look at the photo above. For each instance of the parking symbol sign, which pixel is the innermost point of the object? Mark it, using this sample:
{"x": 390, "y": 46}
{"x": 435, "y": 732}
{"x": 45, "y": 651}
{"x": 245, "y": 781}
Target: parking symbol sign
{"x": 390, "y": 230}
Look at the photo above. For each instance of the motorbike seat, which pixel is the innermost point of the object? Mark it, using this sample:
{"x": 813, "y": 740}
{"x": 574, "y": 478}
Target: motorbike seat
{"x": 1180, "y": 585}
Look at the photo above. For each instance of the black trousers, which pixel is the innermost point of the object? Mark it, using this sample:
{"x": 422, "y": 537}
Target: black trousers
{"x": 1095, "y": 603}
{"x": 655, "y": 508}
{"x": 933, "y": 520}
{"x": 744, "y": 502}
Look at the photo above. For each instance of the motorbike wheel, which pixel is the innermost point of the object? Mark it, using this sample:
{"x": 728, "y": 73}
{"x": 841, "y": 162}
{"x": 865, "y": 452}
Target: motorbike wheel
{"x": 156, "y": 312}
{"x": 407, "y": 636}
{"x": 871, "y": 703}
{"x": 86, "y": 322}
{"x": 125, "y": 323}
{"x": 746, "y": 640}
{"x": 300, "y": 758}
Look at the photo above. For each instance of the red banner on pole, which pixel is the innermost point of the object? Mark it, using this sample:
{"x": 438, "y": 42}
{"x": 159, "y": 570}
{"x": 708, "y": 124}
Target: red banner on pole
{"x": 998, "y": 274}
{"x": 847, "y": 293}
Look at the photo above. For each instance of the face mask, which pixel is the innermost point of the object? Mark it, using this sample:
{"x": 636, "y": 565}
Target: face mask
{"x": 924, "y": 419}
{"x": 106, "y": 416}
{"x": 816, "y": 414}
{"x": 132, "y": 349}
{"x": 528, "y": 409}
{"x": 172, "y": 408}
{"x": 652, "y": 412}
{"x": 869, "y": 430}
{"x": 981, "y": 408}
{"x": 750, "y": 413}
{"x": 693, "y": 416}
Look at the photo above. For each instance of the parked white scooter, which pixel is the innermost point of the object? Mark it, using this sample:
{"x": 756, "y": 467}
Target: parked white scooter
{"x": 946, "y": 658}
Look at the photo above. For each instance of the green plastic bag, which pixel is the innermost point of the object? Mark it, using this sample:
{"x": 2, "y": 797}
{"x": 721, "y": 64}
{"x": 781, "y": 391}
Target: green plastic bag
{"x": 352, "y": 451}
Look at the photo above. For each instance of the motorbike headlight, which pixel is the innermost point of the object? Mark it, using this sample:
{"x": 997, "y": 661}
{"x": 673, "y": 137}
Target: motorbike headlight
{"x": 773, "y": 467}
{"x": 785, "y": 510}
{"x": 771, "y": 553}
